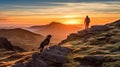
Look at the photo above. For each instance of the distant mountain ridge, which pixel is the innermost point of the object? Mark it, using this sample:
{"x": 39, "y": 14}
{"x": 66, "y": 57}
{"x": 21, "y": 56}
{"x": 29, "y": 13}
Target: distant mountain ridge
{"x": 58, "y": 30}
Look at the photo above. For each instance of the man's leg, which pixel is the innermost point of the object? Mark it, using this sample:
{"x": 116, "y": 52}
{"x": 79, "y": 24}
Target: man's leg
{"x": 87, "y": 26}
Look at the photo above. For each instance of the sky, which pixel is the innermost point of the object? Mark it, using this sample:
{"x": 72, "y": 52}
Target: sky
{"x": 64, "y": 11}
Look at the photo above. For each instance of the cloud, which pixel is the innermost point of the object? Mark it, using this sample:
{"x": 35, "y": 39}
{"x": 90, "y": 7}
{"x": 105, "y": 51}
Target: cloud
{"x": 57, "y": 8}
{"x": 11, "y": 1}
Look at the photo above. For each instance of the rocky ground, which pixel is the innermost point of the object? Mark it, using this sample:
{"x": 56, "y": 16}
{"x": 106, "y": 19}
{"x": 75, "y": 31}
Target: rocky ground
{"x": 13, "y": 56}
{"x": 99, "y": 46}
{"x": 54, "y": 57}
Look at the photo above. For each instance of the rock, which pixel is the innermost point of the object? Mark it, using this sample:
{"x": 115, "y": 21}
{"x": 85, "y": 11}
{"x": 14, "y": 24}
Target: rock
{"x": 85, "y": 34}
{"x": 53, "y": 57}
{"x": 111, "y": 58}
{"x": 91, "y": 61}
{"x": 98, "y": 28}
{"x": 19, "y": 49}
{"x": 5, "y": 44}
{"x": 19, "y": 65}
{"x": 96, "y": 42}
{"x": 116, "y": 23}
{"x": 35, "y": 56}
{"x": 77, "y": 59}
{"x": 8, "y": 52}
{"x": 109, "y": 34}
{"x": 85, "y": 66}
{"x": 116, "y": 49}
{"x": 36, "y": 63}
{"x": 111, "y": 64}
{"x": 98, "y": 52}
{"x": 100, "y": 38}
{"x": 82, "y": 33}
{"x": 72, "y": 36}
{"x": 60, "y": 50}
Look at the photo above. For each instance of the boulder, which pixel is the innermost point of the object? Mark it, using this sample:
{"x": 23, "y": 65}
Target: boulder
{"x": 91, "y": 61}
{"x": 116, "y": 49}
{"x": 36, "y": 63}
{"x": 5, "y": 44}
{"x": 116, "y": 23}
{"x": 19, "y": 49}
{"x": 19, "y": 65}
{"x": 59, "y": 50}
{"x": 100, "y": 38}
{"x": 72, "y": 36}
{"x": 85, "y": 66}
{"x": 53, "y": 57}
{"x": 98, "y": 28}
{"x": 82, "y": 33}
{"x": 55, "y": 54}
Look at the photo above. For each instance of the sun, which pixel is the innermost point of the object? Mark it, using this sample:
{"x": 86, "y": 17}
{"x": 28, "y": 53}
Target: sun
{"x": 72, "y": 22}
{"x": 71, "y": 19}
{"x": 70, "y": 16}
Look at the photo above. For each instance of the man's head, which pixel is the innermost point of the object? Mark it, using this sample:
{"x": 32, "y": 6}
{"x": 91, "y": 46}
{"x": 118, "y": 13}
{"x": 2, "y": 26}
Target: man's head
{"x": 87, "y": 16}
{"x": 49, "y": 36}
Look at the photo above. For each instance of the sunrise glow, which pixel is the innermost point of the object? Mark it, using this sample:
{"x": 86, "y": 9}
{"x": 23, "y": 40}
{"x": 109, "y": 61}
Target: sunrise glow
{"x": 42, "y": 12}
{"x": 72, "y": 22}
{"x": 71, "y": 16}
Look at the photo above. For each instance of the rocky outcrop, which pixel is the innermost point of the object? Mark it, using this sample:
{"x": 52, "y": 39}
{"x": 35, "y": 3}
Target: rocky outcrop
{"x": 98, "y": 61}
{"x": 5, "y": 44}
{"x": 98, "y": 28}
{"x": 19, "y": 49}
{"x": 116, "y": 24}
{"x": 91, "y": 61}
{"x": 94, "y": 30}
{"x": 19, "y": 65}
{"x": 55, "y": 56}
{"x": 104, "y": 43}
{"x": 85, "y": 34}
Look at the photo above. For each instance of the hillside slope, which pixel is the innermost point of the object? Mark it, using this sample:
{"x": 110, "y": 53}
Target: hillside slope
{"x": 99, "y": 46}
{"x": 22, "y": 38}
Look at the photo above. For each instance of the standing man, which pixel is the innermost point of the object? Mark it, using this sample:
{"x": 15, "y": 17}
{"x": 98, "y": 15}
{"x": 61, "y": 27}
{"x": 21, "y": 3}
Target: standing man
{"x": 45, "y": 42}
{"x": 87, "y": 22}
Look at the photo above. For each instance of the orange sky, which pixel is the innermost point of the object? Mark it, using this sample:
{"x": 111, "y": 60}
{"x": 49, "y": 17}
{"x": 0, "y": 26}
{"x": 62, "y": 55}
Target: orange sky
{"x": 65, "y": 20}
{"x": 67, "y": 13}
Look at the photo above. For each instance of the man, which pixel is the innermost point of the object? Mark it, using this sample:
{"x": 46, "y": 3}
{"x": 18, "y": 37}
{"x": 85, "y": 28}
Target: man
{"x": 87, "y": 22}
{"x": 45, "y": 43}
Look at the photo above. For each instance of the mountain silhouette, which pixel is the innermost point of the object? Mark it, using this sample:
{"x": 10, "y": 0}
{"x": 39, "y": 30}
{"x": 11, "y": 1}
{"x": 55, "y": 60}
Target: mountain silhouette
{"x": 58, "y": 30}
